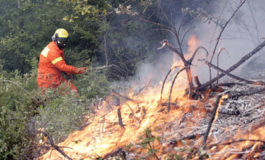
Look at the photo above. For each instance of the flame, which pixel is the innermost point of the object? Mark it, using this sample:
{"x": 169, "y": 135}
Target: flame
{"x": 105, "y": 135}
{"x": 121, "y": 125}
{"x": 193, "y": 43}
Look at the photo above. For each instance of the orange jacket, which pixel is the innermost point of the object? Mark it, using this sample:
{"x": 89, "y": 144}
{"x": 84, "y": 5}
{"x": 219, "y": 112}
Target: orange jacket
{"x": 51, "y": 64}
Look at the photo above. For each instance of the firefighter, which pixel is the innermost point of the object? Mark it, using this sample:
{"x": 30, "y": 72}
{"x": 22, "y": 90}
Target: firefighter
{"x": 52, "y": 63}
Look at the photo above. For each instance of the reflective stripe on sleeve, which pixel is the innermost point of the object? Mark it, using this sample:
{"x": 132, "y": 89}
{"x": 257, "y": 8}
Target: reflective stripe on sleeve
{"x": 57, "y": 60}
{"x": 45, "y": 52}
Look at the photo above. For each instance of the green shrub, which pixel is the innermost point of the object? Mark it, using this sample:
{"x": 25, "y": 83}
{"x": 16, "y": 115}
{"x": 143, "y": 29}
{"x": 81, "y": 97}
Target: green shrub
{"x": 24, "y": 110}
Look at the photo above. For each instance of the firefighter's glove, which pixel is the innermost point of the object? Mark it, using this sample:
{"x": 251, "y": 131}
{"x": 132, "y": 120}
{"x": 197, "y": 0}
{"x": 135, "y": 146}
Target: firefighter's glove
{"x": 81, "y": 70}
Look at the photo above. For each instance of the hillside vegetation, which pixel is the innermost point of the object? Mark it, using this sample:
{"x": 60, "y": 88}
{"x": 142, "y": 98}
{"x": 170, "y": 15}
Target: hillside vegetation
{"x": 113, "y": 33}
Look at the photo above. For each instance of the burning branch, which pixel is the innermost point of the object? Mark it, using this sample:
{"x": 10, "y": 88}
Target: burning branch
{"x": 162, "y": 89}
{"x": 171, "y": 88}
{"x": 53, "y": 145}
{"x": 125, "y": 97}
{"x": 120, "y": 118}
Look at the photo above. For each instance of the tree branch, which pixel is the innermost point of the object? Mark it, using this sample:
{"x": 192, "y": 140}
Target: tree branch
{"x": 233, "y": 67}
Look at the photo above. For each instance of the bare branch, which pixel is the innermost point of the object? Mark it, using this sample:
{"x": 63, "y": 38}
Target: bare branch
{"x": 235, "y": 77}
{"x": 162, "y": 89}
{"x": 106, "y": 50}
{"x": 211, "y": 120}
{"x": 218, "y": 55}
{"x": 236, "y": 141}
{"x": 178, "y": 52}
{"x": 233, "y": 67}
{"x": 53, "y": 145}
{"x": 223, "y": 28}
{"x": 120, "y": 118}
{"x": 171, "y": 88}
{"x": 196, "y": 51}
{"x": 125, "y": 97}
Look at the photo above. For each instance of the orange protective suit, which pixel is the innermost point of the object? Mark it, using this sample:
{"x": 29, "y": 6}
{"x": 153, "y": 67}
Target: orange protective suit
{"x": 51, "y": 64}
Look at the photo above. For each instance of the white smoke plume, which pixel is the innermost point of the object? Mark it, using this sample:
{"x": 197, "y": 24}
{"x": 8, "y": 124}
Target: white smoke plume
{"x": 244, "y": 33}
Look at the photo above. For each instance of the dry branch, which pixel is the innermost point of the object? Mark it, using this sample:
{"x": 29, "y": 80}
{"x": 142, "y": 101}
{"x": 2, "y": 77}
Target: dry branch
{"x": 120, "y": 118}
{"x": 235, "y": 77}
{"x": 233, "y": 67}
{"x": 223, "y": 28}
{"x": 168, "y": 73}
{"x": 114, "y": 93}
{"x": 235, "y": 141}
{"x": 211, "y": 120}
{"x": 237, "y": 94}
{"x": 171, "y": 88}
{"x": 196, "y": 51}
{"x": 57, "y": 148}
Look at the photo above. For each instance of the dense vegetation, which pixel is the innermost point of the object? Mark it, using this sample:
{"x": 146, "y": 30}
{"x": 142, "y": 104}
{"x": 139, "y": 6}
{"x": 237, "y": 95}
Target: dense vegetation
{"x": 102, "y": 32}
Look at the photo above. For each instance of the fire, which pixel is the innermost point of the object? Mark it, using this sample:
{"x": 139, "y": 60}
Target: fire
{"x": 126, "y": 122}
{"x": 105, "y": 134}
{"x": 193, "y": 43}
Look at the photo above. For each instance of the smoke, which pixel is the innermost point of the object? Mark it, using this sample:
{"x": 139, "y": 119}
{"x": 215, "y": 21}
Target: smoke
{"x": 243, "y": 33}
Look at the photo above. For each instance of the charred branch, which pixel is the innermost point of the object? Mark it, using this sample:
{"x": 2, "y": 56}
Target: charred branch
{"x": 197, "y": 81}
{"x": 50, "y": 142}
{"x": 171, "y": 104}
{"x": 230, "y": 84}
{"x": 168, "y": 73}
{"x": 120, "y": 118}
{"x": 188, "y": 137}
{"x": 196, "y": 51}
{"x": 175, "y": 50}
{"x": 235, "y": 95}
{"x": 233, "y": 67}
{"x": 211, "y": 120}
{"x": 171, "y": 88}
{"x": 233, "y": 76}
{"x": 236, "y": 141}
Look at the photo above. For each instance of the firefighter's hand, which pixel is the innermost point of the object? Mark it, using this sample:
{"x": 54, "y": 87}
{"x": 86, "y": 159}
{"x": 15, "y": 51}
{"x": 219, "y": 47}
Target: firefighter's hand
{"x": 81, "y": 70}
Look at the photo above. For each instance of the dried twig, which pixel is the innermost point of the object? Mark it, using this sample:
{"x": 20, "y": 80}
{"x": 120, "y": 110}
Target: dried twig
{"x": 233, "y": 67}
{"x": 196, "y": 51}
{"x": 171, "y": 88}
{"x": 168, "y": 73}
{"x": 223, "y": 28}
{"x": 120, "y": 118}
{"x": 53, "y": 145}
{"x": 235, "y": 77}
{"x": 235, "y": 141}
{"x": 125, "y": 97}
{"x": 221, "y": 32}
{"x": 211, "y": 120}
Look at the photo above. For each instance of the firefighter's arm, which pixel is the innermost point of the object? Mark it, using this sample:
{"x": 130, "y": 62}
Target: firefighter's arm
{"x": 58, "y": 61}
{"x": 62, "y": 66}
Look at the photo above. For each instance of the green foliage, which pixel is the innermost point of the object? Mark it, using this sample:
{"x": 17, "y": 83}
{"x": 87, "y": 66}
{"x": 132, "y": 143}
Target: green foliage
{"x": 16, "y": 109}
{"x": 26, "y": 27}
{"x": 101, "y": 32}
{"x": 148, "y": 141}
{"x": 24, "y": 111}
